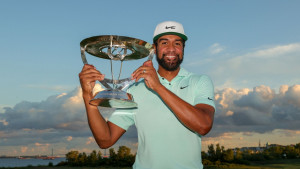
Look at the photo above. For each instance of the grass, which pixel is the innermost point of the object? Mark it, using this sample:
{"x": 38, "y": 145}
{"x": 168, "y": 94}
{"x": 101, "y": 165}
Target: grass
{"x": 275, "y": 164}
{"x": 64, "y": 167}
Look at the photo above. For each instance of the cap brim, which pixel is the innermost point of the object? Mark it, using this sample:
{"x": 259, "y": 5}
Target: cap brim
{"x": 170, "y": 33}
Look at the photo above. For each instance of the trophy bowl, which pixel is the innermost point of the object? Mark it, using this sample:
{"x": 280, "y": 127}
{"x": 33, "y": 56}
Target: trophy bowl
{"x": 115, "y": 48}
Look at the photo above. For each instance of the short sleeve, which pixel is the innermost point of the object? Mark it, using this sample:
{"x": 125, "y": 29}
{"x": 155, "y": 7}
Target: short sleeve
{"x": 123, "y": 118}
{"x": 204, "y": 93}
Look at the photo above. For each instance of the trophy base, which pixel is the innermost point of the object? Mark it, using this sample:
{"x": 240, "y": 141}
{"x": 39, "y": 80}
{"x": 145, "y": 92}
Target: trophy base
{"x": 114, "y": 99}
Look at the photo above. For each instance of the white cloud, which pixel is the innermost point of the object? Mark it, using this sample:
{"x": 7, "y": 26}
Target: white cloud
{"x": 216, "y": 48}
{"x": 49, "y": 87}
{"x": 260, "y": 109}
{"x": 271, "y": 66}
{"x": 4, "y": 122}
{"x": 61, "y": 120}
{"x": 69, "y": 138}
{"x": 24, "y": 149}
{"x": 90, "y": 140}
{"x": 275, "y": 51}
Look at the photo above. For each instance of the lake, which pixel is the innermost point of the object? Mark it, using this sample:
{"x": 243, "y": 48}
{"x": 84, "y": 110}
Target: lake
{"x": 15, "y": 162}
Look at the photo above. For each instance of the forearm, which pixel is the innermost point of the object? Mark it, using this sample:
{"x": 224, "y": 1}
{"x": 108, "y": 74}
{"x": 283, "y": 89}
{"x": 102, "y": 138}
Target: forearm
{"x": 97, "y": 123}
{"x": 193, "y": 117}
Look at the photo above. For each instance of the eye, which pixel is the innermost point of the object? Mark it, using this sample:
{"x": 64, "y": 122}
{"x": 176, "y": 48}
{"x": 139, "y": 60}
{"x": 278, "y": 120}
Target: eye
{"x": 178, "y": 44}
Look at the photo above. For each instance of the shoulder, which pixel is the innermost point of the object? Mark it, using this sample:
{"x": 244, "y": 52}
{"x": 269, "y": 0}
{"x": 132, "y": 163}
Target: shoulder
{"x": 194, "y": 76}
{"x": 199, "y": 79}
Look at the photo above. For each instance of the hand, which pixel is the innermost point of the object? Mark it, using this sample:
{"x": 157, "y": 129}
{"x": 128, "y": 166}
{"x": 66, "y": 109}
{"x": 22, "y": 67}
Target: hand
{"x": 148, "y": 72}
{"x": 88, "y": 77}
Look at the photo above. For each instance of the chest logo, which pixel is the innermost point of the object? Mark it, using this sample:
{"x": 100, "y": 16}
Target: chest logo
{"x": 182, "y": 87}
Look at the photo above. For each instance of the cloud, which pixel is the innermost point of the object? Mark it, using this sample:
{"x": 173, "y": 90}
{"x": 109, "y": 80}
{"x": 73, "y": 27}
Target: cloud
{"x": 69, "y": 138}
{"x": 90, "y": 140}
{"x": 24, "y": 149}
{"x": 216, "y": 48}
{"x": 271, "y": 66}
{"x": 261, "y": 109}
{"x": 60, "y": 120}
{"x": 41, "y": 145}
{"x": 49, "y": 87}
{"x": 264, "y": 66}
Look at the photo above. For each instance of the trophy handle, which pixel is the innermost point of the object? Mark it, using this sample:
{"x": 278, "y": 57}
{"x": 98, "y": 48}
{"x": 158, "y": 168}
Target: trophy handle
{"x": 103, "y": 82}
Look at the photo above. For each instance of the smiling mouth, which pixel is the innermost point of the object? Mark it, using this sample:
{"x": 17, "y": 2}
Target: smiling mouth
{"x": 170, "y": 59}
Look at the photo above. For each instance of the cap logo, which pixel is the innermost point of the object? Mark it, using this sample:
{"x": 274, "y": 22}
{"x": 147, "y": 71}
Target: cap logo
{"x": 170, "y": 27}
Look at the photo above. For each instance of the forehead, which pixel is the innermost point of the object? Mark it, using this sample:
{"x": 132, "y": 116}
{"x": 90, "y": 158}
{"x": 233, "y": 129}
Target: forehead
{"x": 170, "y": 38}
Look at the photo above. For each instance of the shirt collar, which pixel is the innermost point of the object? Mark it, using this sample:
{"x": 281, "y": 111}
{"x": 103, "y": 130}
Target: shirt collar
{"x": 182, "y": 73}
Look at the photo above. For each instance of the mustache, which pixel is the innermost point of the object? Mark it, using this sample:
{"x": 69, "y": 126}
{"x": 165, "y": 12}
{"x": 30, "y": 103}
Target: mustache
{"x": 170, "y": 54}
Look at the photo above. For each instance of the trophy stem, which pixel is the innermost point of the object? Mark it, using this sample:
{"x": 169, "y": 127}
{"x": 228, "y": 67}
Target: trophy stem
{"x": 120, "y": 70}
{"x": 112, "y": 74}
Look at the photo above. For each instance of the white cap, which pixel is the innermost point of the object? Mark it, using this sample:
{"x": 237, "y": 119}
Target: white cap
{"x": 169, "y": 28}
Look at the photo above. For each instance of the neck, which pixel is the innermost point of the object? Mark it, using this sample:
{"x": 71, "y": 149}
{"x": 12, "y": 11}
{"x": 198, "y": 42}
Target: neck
{"x": 169, "y": 75}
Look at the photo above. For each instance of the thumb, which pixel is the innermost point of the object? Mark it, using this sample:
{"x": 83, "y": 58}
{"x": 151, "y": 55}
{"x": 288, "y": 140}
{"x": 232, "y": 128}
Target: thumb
{"x": 148, "y": 63}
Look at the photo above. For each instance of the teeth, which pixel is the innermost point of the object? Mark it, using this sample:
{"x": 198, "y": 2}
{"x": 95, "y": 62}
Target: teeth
{"x": 170, "y": 56}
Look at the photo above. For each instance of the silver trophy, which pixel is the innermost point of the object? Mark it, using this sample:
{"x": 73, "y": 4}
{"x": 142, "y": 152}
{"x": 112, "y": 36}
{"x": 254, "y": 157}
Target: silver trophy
{"x": 117, "y": 48}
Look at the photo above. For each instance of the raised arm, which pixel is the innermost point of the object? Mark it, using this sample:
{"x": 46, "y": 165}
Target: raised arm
{"x": 198, "y": 118}
{"x": 105, "y": 133}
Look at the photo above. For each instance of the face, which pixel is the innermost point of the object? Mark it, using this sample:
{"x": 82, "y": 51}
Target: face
{"x": 169, "y": 52}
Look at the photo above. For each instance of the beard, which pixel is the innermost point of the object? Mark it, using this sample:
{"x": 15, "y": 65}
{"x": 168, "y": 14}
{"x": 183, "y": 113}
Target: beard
{"x": 169, "y": 66}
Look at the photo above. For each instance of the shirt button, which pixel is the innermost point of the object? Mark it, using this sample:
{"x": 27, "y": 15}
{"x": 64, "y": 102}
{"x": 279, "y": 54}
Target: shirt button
{"x": 163, "y": 78}
{"x": 169, "y": 83}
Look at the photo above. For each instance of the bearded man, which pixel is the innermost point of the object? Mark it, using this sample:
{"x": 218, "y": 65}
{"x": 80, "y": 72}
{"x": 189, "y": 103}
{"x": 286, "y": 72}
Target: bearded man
{"x": 175, "y": 107}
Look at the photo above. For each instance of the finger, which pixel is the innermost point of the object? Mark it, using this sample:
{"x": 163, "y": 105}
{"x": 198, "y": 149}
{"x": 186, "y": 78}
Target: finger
{"x": 139, "y": 71}
{"x": 91, "y": 79}
{"x": 89, "y": 69}
{"x": 148, "y": 63}
{"x": 87, "y": 66}
{"x": 91, "y": 73}
{"x": 139, "y": 76}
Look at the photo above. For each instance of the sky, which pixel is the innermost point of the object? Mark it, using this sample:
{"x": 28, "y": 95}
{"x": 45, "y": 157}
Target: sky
{"x": 250, "y": 49}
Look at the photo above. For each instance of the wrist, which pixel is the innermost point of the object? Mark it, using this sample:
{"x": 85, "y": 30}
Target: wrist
{"x": 159, "y": 88}
{"x": 87, "y": 96}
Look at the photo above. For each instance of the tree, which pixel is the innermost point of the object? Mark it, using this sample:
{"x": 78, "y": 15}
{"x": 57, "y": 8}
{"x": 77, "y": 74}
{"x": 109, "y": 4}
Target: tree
{"x": 238, "y": 154}
{"x": 290, "y": 152}
{"x": 72, "y": 157}
{"x": 276, "y": 151}
{"x": 125, "y": 158}
{"x": 211, "y": 152}
{"x": 219, "y": 152}
{"x": 92, "y": 158}
{"x": 229, "y": 155}
{"x": 99, "y": 158}
{"x": 123, "y": 152}
{"x": 112, "y": 157}
{"x": 247, "y": 154}
{"x": 82, "y": 159}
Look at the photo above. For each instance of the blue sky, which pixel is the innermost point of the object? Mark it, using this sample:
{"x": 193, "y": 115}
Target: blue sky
{"x": 250, "y": 49}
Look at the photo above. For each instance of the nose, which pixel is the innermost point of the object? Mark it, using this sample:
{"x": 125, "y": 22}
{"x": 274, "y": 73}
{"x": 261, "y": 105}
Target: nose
{"x": 171, "y": 47}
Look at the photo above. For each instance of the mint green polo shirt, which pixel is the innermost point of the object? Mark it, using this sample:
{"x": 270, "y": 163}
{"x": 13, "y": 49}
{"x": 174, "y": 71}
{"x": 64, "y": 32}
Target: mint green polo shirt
{"x": 163, "y": 141}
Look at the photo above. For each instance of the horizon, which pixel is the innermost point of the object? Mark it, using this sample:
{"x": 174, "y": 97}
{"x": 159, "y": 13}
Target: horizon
{"x": 250, "y": 49}
{"x": 107, "y": 153}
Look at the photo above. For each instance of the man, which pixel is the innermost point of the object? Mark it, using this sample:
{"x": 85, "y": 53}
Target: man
{"x": 175, "y": 107}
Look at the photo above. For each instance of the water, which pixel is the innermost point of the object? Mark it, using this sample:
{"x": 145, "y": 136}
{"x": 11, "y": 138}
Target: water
{"x": 15, "y": 162}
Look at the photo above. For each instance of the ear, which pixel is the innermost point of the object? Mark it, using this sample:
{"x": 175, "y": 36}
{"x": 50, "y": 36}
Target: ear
{"x": 154, "y": 47}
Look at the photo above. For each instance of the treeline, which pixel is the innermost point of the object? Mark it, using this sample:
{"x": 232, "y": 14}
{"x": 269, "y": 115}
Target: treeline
{"x": 217, "y": 154}
{"x": 123, "y": 158}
